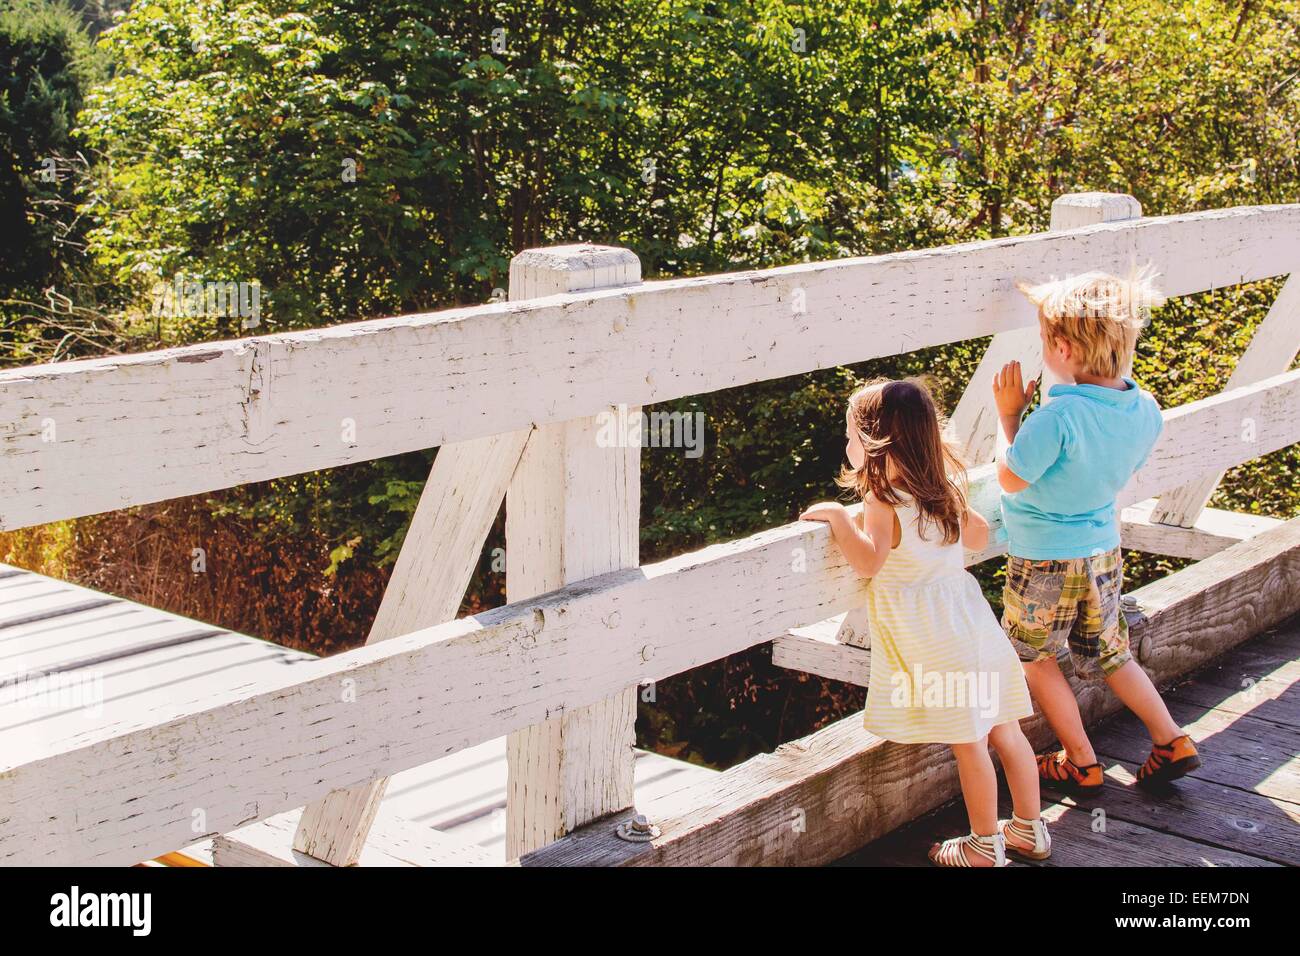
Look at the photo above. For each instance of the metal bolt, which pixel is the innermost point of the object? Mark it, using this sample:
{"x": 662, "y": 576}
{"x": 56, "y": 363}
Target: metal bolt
{"x": 647, "y": 652}
{"x": 637, "y": 830}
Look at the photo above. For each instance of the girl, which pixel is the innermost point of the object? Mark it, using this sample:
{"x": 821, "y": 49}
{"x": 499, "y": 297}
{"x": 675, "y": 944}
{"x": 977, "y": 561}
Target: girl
{"x": 942, "y": 670}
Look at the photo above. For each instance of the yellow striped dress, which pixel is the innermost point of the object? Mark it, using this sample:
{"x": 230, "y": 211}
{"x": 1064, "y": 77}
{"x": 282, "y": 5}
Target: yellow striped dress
{"x": 942, "y": 670}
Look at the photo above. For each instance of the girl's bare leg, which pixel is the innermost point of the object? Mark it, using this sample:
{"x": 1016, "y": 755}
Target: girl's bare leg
{"x": 979, "y": 790}
{"x": 1018, "y": 764}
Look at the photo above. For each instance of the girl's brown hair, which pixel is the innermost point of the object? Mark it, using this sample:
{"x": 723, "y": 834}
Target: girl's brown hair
{"x": 900, "y": 419}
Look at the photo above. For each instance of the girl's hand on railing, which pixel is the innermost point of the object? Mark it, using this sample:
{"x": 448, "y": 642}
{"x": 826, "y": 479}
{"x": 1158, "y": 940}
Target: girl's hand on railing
{"x": 824, "y": 511}
{"x": 851, "y": 537}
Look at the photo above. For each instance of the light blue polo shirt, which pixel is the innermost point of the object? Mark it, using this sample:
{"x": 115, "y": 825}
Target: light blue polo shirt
{"x": 1076, "y": 451}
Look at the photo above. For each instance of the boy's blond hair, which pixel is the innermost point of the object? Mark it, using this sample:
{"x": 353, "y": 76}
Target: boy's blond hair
{"x": 1099, "y": 314}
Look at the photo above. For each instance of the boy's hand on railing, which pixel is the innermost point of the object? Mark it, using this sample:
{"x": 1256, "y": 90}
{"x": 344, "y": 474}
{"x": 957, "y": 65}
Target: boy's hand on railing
{"x": 1010, "y": 391}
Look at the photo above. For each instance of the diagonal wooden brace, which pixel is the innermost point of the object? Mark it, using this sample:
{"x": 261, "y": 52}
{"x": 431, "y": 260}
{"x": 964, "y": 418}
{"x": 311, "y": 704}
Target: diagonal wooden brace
{"x": 459, "y": 503}
{"x": 1271, "y": 351}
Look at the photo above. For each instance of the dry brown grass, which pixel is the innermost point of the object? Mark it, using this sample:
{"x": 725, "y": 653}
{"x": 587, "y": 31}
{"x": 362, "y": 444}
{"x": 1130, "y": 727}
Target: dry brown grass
{"x": 276, "y": 590}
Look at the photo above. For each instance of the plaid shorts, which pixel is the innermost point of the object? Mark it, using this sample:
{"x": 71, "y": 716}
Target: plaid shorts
{"x": 1074, "y": 599}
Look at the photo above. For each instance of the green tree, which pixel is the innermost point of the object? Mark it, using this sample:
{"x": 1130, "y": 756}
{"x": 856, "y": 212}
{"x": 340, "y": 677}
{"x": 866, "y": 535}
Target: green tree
{"x": 46, "y": 68}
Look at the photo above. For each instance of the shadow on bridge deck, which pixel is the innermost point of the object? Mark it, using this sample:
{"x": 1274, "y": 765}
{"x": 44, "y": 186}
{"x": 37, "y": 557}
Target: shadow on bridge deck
{"x": 1241, "y": 808}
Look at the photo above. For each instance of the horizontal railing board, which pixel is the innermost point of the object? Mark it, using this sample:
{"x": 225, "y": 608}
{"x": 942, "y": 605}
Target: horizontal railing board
{"x": 1214, "y": 530}
{"x": 141, "y": 428}
{"x": 248, "y": 753}
{"x": 817, "y": 652}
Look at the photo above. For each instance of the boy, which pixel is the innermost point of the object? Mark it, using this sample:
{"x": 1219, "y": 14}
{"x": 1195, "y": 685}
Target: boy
{"x": 1060, "y": 472}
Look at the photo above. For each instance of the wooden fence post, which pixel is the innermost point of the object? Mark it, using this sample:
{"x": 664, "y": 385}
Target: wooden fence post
{"x": 572, "y": 511}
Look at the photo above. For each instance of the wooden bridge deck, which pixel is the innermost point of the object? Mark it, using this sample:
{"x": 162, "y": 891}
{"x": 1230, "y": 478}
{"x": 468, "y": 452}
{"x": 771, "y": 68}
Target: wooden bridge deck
{"x": 1241, "y": 808}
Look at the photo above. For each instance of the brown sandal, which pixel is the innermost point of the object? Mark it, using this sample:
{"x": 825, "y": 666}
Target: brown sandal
{"x": 1168, "y": 762}
{"x": 1058, "y": 771}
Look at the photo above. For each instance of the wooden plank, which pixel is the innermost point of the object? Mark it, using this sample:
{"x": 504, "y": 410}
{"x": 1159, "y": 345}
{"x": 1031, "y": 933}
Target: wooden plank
{"x": 1280, "y": 639}
{"x": 443, "y": 545}
{"x": 572, "y": 511}
{"x": 136, "y": 663}
{"x": 260, "y": 408}
{"x": 1129, "y": 844}
{"x": 124, "y": 634}
{"x": 47, "y": 644}
{"x": 1206, "y": 812}
{"x": 297, "y": 736}
{"x": 1076, "y": 842}
{"x": 1271, "y": 351}
{"x": 395, "y": 842}
{"x": 813, "y": 651}
{"x": 1255, "y": 666}
{"x": 461, "y": 797}
{"x": 1213, "y": 530}
{"x": 845, "y": 787}
{"x": 1258, "y": 679}
{"x": 33, "y": 606}
{"x": 464, "y": 795}
{"x": 1236, "y": 750}
{"x": 794, "y": 806}
{"x": 1261, "y": 697}
{"x": 90, "y": 701}
{"x": 1197, "y": 608}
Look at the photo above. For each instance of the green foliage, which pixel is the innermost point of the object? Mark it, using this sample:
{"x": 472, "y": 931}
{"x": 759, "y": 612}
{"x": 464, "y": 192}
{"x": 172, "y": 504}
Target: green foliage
{"x": 363, "y": 159}
{"x": 364, "y": 507}
{"x": 46, "y": 67}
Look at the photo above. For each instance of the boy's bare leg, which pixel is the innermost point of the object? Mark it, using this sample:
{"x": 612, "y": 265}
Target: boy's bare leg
{"x": 1134, "y": 688}
{"x": 1018, "y": 763}
{"x": 1052, "y": 691}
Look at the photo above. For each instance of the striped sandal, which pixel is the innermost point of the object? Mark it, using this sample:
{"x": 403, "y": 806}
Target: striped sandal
{"x": 1022, "y": 829}
{"x": 952, "y": 852}
{"x": 1168, "y": 762}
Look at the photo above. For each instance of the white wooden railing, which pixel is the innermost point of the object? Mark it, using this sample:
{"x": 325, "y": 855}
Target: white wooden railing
{"x": 511, "y": 393}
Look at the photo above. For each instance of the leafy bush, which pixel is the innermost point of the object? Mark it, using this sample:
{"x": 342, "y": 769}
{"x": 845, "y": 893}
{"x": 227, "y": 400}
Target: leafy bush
{"x": 47, "y": 65}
